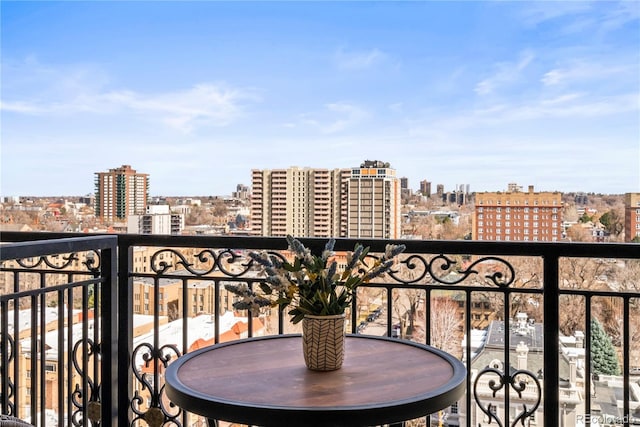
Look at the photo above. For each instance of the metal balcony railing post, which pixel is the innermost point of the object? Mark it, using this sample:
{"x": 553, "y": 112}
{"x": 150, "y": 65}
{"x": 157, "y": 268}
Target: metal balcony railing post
{"x": 551, "y": 395}
{"x": 110, "y": 345}
{"x": 125, "y": 330}
{"x": 4, "y": 358}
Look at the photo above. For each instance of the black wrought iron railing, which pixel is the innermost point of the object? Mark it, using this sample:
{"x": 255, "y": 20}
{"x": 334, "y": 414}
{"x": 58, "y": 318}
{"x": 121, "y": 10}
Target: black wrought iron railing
{"x": 549, "y": 332}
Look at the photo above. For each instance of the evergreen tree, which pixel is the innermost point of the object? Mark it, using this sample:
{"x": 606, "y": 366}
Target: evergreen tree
{"x": 603, "y": 355}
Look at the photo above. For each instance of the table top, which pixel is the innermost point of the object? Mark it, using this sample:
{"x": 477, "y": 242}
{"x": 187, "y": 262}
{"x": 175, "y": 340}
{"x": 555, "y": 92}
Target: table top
{"x": 264, "y": 381}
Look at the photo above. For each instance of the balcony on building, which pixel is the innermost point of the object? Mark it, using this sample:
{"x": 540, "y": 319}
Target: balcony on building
{"x": 525, "y": 318}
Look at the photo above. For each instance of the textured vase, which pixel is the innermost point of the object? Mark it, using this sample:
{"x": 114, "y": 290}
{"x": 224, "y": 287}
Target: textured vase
{"x": 323, "y": 342}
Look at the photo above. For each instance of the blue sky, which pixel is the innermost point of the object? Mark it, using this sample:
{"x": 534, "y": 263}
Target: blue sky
{"x": 196, "y": 94}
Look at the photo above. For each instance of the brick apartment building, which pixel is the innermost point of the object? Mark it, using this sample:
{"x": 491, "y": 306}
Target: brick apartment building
{"x": 515, "y": 215}
{"x": 120, "y": 192}
{"x": 631, "y": 216}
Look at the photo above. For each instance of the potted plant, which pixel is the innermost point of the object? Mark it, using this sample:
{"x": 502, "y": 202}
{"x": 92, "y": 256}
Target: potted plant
{"x": 314, "y": 291}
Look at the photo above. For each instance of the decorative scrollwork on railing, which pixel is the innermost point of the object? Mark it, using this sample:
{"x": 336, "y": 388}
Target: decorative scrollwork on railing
{"x": 48, "y": 261}
{"x": 85, "y": 348}
{"x": 451, "y": 275}
{"x": 92, "y": 262}
{"x": 417, "y": 268}
{"x": 206, "y": 262}
{"x": 8, "y": 360}
{"x": 228, "y": 257}
{"x": 412, "y": 269}
{"x": 518, "y": 380}
{"x": 153, "y": 409}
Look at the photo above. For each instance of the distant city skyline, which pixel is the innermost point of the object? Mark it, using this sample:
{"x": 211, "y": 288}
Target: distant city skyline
{"x": 197, "y": 94}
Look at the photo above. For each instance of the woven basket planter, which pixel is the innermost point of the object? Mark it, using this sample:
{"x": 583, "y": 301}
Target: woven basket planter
{"x": 323, "y": 342}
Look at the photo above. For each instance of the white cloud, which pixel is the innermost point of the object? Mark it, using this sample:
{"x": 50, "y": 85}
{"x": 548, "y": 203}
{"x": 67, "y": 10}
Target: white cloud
{"x": 618, "y": 16}
{"x": 396, "y": 107}
{"x": 581, "y": 71}
{"x": 358, "y": 60}
{"x": 506, "y": 73}
{"x": 567, "y": 106}
{"x": 562, "y": 99}
{"x": 580, "y": 16}
{"x": 203, "y": 104}
{"x": 335, "y": 117}
{"x": 39, "y": 89}
{"x": 542, "y": 11}
{"x": 350, "y": 115}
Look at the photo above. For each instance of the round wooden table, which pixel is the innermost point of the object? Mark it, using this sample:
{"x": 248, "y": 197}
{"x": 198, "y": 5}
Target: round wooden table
{"x": 264, "y": 381}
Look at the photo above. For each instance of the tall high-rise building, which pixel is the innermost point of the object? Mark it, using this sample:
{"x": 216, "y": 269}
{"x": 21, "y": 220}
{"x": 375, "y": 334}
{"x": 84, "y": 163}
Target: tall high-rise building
{"x": 405, "y": 191}
{"x": 631, "y": 216}
{"x": 373, "y": 210}
{"x": 303, "y": 202}
{"x": 307, "y": 202}
{"x": 425, "y": 188}
{"x": 404, "y": 183}
{"x": 120, "y": 192}
{"x": 518, "y": 216}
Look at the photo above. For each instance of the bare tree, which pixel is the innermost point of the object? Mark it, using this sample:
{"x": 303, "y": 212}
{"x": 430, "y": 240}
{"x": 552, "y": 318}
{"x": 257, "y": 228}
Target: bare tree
{"x": 528, "y": 273}
{"x": 578, "y": 233}
{"x": 579, "y": 273}
{"x": 405, "y": 307}
{"x": 446, "y": 325}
